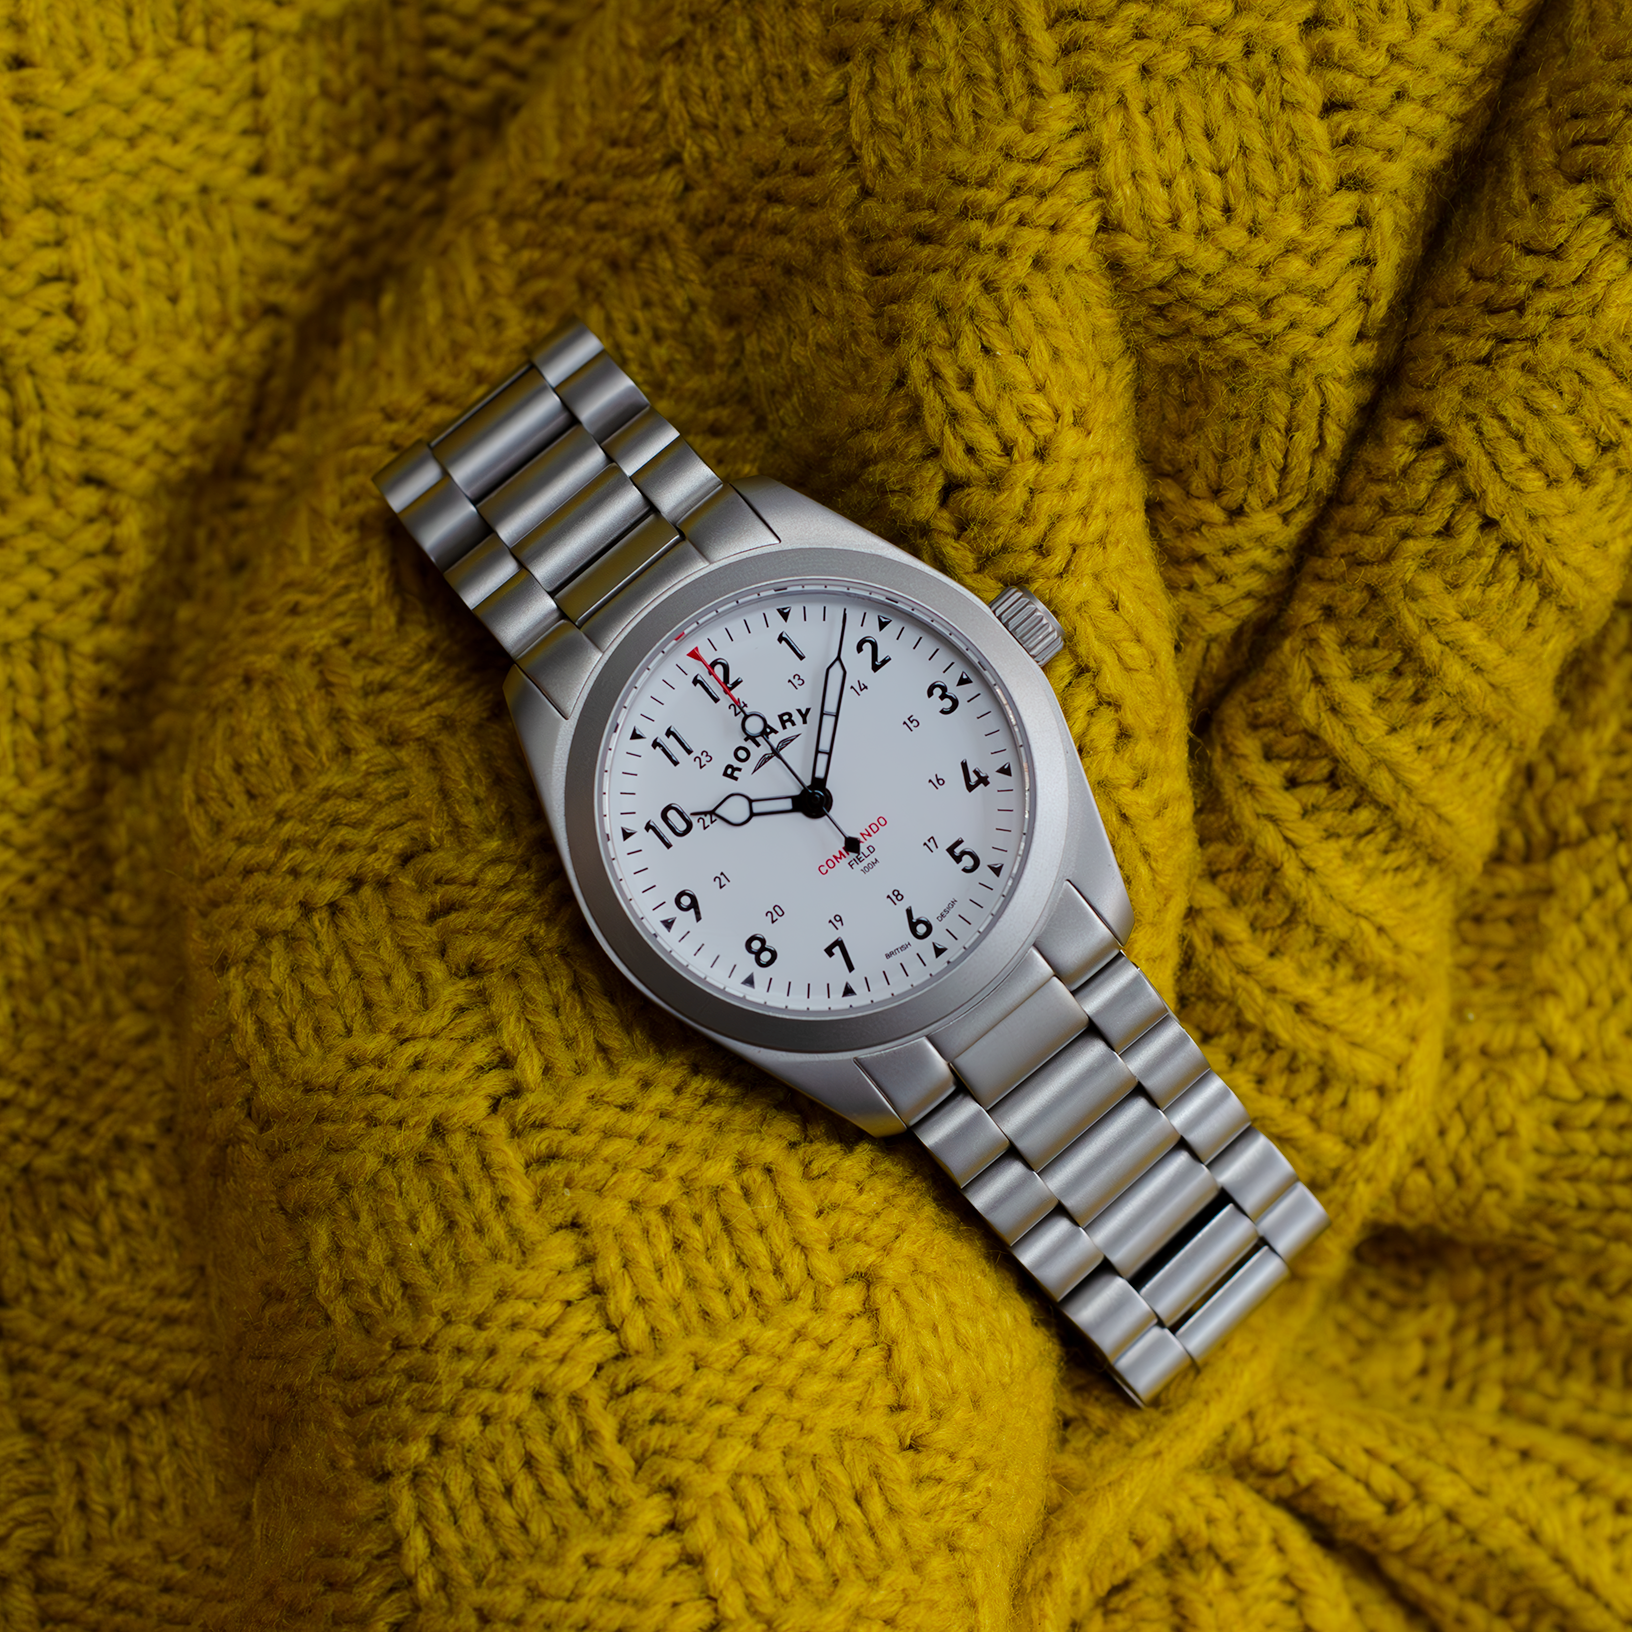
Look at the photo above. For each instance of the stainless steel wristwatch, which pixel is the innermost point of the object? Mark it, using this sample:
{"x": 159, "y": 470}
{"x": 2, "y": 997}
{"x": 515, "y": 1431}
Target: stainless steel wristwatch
{"x": 820, "y": 802}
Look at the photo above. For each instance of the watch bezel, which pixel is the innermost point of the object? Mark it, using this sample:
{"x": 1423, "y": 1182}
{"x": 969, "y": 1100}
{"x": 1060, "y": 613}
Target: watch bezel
{"x": 1052, "y": 756}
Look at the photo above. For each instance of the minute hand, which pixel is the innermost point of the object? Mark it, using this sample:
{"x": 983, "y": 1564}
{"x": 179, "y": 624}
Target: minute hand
{"x": 827, "y": 726}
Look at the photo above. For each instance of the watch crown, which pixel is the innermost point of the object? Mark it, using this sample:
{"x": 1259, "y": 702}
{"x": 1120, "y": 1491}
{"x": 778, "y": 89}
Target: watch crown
{"x": 1030, "y": 622}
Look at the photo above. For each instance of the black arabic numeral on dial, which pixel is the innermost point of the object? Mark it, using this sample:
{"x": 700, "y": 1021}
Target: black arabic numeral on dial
{"x": 966, "y": 859}
{"x": 762, "y": 952}
{"x": 973, "y": 779}
{"x": 667, "y": 752}
{"x": 839, "y": 947}
{"x": 782, "y": 640}
{"x": 872, "y": 657}
{"x": 675, "y": 820}
{"x": 939, "y": 690}
{"x": 921, "y": 928}
{"x": 685, "y": 901}
{"x": 720, "y": 671}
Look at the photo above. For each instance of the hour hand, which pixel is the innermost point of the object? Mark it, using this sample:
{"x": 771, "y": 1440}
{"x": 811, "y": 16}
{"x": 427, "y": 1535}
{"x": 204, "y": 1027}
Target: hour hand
{"x": 737, "y": 809}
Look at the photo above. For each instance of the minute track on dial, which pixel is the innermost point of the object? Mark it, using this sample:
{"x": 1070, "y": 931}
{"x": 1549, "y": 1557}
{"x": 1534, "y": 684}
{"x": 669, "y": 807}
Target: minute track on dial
{"x": 897, "y": 908}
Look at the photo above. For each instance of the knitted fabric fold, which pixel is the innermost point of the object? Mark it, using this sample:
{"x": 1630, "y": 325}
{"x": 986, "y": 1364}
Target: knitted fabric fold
{"x": 372, "y": 1254}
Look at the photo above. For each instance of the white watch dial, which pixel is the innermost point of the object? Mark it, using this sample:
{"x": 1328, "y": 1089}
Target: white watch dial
{"x": 814, "y": 797}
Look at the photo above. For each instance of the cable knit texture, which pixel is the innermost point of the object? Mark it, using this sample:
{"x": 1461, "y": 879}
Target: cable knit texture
{"x": 372, "y": 1254}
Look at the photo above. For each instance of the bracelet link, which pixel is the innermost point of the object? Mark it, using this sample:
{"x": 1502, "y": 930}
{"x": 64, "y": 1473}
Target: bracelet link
{"x": 560, "y": 497}
{"x": 1121, "y": 1171}
{"x": 501, "y": 433}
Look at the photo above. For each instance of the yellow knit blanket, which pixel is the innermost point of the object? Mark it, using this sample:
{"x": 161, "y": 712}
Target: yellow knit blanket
{"x": 372, "y": 1255}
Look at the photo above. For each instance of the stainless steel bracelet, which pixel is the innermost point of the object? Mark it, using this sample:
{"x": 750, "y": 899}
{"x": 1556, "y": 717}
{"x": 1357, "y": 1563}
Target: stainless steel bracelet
{"x": 561, "y": 506}
{"x": 1083, "y": 1123}
{"x": 1070, "y": 1107}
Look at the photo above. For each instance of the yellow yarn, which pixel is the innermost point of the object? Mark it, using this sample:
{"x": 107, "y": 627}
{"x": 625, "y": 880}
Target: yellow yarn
{"x": 372, "y": 1254}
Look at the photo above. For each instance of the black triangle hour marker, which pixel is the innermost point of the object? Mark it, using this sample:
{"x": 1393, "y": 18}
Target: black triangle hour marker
{"x": 849, "y": 990}
{"x": 628, "y": 832}
{"x": 884, "y": 623}
{"x": 963, "y": 679}
{"x": 748, "y": 979}
{"x": 668, "y": 923}
{"x": 995, "y": 868}
{"x": 1005, "y": 770}
{"x": 783, "y": 611}
{"x": 637, "y": 735}
{"x": 940, "y": 951}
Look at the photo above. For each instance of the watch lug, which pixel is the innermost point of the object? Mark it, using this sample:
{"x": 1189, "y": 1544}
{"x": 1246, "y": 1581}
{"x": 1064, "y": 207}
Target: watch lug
{"x": 833, "y": 1080}
{"x": 794, "y": 518}
{"x": 543, "y": 733}
{"x": 724, "y": 525}
{"x": 1091, "y": 866}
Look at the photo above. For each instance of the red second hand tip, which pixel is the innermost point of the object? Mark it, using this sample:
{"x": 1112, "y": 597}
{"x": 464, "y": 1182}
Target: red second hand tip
{"x": 714, "y": 677}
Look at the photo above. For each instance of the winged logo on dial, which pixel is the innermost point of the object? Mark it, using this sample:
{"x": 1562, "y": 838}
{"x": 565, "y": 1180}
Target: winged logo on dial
{"x": 769, "y": 755}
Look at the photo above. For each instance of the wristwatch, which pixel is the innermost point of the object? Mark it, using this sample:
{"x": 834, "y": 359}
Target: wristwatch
{"x": 819, "y": 801}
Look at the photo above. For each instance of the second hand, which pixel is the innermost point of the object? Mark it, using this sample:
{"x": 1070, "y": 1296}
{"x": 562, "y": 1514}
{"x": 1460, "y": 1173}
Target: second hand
{"x": 852, "y": 845}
